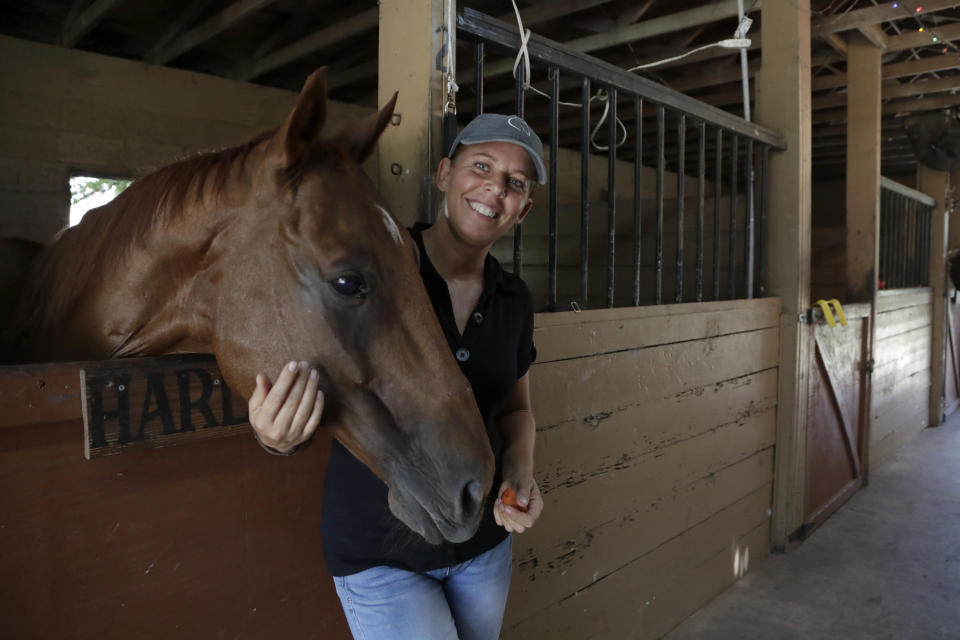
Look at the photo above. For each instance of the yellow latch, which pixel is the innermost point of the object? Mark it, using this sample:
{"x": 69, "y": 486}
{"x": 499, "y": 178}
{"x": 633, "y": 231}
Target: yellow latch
{"x": 828, "y": 314}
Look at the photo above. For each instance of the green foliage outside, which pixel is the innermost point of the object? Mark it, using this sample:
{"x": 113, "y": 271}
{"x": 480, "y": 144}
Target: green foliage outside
{"x": 82, "y": 188}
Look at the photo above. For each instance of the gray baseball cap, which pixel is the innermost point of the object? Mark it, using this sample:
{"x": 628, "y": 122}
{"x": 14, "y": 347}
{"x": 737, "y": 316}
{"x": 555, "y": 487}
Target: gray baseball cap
{"x": 494, "y": 127}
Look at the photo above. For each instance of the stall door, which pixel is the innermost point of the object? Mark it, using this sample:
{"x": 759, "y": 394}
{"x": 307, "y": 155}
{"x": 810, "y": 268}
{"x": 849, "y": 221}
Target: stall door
{"x": 835, "y": 424}
{"x": 951, "y": 379}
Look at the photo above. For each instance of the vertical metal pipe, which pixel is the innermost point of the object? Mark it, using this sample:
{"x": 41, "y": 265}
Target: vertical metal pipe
{"x": 517, "y": 230}
{"x": 554, "y": 147}
{"x": 661, "y": 117}
{"x": 478, "y": 77}
{"x": 928, "y": 238}
{"x": 884, "y": 239}
{"x": 611, "y": 190}
{"x": 902, "y": 242}
{"x": 732, "y": 284}
{"x": 717, "y": 194}
{"x": 701, "y": 175}
{"x": 748, "y": 226}
{"x": 681, "y": 179}
{"x": 762, "y": 231}
{"x": 637, "y": 194}
{"x": 584, "y": 192}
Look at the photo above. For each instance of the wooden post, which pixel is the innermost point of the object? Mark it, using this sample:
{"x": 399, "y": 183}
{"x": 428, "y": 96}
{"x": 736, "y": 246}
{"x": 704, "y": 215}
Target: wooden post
{"x": 783, "y": 103}
{"x": 411, "y": 38}
{"x": 936, "y": 184}
{"x": 863, "y": 167}
{"x": 863, "y": 202}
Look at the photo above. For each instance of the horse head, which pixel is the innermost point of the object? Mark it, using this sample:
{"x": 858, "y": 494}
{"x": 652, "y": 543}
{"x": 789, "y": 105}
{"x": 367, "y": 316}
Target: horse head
{"x": 318, "y": 269}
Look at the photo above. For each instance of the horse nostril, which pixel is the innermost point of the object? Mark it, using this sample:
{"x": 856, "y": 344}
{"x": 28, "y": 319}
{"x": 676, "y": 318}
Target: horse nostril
{"x": 472, "y": 498}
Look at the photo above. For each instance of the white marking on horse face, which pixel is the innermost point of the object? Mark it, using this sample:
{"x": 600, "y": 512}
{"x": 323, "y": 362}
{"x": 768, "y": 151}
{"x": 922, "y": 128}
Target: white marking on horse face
{"x": 391, "y": 225}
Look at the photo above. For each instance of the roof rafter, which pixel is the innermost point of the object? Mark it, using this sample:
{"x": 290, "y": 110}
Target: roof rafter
{"x": 210, "y": 28}
{"x": 356, "y": 24}
{"x": 80, "y": 21}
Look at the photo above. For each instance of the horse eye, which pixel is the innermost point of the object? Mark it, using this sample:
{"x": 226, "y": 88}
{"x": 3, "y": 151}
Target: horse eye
{"x": 349, "y": 285}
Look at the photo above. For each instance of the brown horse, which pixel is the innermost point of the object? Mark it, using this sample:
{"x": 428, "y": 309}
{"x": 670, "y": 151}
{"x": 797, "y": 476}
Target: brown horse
{"x": 280, "y": 249}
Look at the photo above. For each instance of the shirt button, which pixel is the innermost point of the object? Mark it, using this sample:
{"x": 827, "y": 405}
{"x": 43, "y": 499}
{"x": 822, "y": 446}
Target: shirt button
{"x": 463, "y": 354}
{"x": 478, "y": 317}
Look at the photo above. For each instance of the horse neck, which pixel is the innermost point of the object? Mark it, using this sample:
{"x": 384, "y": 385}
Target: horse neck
{"x": 109, "y": 288}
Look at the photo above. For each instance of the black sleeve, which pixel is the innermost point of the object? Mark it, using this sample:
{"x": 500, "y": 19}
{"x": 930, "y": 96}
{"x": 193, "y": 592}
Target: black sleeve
{"x": 526, "y": 349}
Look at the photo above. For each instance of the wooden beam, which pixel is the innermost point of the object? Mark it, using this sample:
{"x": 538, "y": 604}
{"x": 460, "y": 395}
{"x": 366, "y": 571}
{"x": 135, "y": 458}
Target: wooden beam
{"x": 921, "y": 87}
{"x": 279, "y": 37}
{"x": 874, "y": 34}
{"x": 897, "y": 70}
{"x": 914, "y": 39}
{"x": 873, "y": 15}
{"x": 890, "y": 108}
{"x": 353, "y": 74}
{"x": 327, "y": 37}
{"x": 186, "y": 18}
{"x": 409, "y": 150}
{"x": 783, "y": 103}
{"x": 711, "y": 12}
{"x": 549, "y": 9}
{"x": 837, "y": 42}
{"x": 936, "y": 184}
{"x": 210, "y": 28}
{"x": 80, "y": 23}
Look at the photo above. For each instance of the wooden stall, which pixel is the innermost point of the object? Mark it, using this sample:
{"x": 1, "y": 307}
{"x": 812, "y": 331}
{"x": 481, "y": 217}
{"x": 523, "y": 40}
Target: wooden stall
{"x": 657, "y": 487}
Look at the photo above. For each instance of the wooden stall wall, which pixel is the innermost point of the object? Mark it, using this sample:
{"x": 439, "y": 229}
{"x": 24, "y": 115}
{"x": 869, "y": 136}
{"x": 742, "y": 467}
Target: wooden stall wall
{"x": 901, "y": 374}
{"x": 66, "y": 111}
{"x": 655, "y": 454}
{"x": 214, "y": 539}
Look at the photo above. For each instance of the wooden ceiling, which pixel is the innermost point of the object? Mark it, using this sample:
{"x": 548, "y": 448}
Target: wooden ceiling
{"x": 278, "y": 42}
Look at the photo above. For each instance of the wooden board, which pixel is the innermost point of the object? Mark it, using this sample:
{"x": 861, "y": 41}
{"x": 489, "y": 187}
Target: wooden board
{"x": 146, "y": 403}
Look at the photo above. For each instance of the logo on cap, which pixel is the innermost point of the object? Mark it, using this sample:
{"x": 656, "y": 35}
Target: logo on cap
{"x": 519, "y": 125}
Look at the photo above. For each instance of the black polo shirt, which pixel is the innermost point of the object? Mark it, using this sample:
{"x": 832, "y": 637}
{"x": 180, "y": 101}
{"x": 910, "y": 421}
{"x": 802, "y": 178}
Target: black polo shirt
{"x": 495, "y": 350}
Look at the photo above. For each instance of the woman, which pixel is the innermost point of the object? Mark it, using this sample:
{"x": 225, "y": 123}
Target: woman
{"x": 391, "y": 583}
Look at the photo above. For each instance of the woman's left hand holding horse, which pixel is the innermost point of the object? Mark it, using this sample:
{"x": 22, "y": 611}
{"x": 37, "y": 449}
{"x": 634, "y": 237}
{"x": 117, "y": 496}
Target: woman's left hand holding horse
{"x": 286, "y": 414}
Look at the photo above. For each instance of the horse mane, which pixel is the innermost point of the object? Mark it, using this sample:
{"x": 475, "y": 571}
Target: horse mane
{"x": 69, "y": 264}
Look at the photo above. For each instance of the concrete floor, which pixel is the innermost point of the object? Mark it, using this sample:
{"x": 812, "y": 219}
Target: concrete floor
{"x": 886, "y": 565}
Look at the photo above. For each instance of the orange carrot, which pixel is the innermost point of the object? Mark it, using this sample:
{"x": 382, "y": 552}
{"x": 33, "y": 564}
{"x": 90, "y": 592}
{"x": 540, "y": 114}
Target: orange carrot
{"x": 509, "y": 498}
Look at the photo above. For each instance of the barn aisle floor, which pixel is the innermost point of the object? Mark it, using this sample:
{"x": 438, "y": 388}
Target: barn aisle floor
{"x": 886, "y": 565}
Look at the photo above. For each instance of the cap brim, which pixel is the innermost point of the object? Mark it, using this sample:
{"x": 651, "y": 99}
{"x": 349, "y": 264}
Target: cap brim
{"x": 537, "y": 161}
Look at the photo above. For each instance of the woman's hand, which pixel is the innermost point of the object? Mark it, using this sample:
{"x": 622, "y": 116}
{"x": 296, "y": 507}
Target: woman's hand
{"x": 530, "y": 503}
{"x": 287, "y": 414}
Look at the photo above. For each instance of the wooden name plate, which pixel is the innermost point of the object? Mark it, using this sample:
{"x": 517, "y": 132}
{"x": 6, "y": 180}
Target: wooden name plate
{"x": 144, "y": 403}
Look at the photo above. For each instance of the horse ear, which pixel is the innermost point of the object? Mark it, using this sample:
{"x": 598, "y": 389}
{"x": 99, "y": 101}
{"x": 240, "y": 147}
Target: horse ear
{"x": 360, "y": 139}
{"x": 302, "y": 127}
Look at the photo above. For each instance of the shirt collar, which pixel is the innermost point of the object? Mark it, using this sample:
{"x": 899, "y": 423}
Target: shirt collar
{"x": 493, "y": 273}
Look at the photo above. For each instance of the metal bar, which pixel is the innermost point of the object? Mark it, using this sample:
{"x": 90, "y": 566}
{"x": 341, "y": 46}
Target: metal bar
{"x": 732, "y": 283}
{"x": 580, "y": 64}
{"x": 478, "y": 77}
{"x": 717, "y": 193}
{"x": 660, "y": 162}
{"x": 701, "y": 171}
{"x": 637, "y": 194}
{"x": 748, "y": 240}
{"x": 517, "y": 229}
{"x": 554, "y": 148}
{"x": 611, "y": 190}
{"x": 928, "y": 235}
{"x": 902, "y": 241}
{"x": 904, "y": 190}
{"x": 884, "y": 239}
{"x": 681, "y": 179}
{"x": 584, "y": 191}
{"x": 917, "y": 241}
{"x": 762, "y": 232}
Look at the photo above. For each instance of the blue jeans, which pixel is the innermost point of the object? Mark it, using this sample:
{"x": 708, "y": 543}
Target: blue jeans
{"x": 464, "y": 602}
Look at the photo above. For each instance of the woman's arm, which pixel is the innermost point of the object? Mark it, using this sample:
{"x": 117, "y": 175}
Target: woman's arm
{"x": 518, "y": 430}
